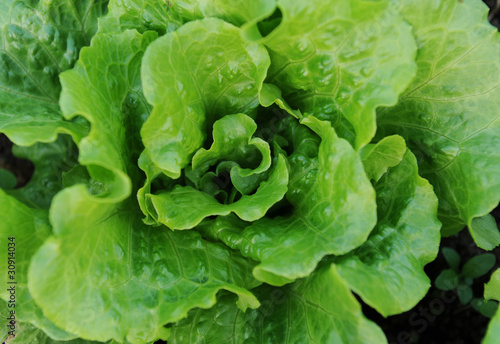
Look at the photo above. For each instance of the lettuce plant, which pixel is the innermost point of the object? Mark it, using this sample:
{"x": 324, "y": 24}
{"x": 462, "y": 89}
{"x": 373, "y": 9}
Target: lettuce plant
{"x": 233, "y": 171}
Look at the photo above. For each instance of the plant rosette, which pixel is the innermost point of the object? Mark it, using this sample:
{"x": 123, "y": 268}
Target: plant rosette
{"x": 234, "y": 171}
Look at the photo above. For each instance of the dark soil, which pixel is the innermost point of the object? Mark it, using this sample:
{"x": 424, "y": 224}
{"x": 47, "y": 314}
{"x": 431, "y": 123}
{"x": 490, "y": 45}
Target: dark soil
{"x": 22, "y": 169}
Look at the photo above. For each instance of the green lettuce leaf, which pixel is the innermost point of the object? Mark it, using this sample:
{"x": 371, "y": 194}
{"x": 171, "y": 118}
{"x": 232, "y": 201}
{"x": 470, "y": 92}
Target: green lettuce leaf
{"x": 26, "y": 333}
{"x": 236, "y": 12}
{"x": 165, "y": 16}
{"x": 377, "y": 158}
{"x": 29, "y": 228}
{"x": 140, "y": 15}
{"x": 233, "y": 143}
{"x": 449, "y": 114}
{"x": 192, "y": 77}
{"x": 317, "y": 309}
{"x": 334, "y": 211}
{"x": 175, "y": 208}
{"x": 40, "y": 40}
{"x": 105, "y": 88}
{"x": 387, "y": 271}
{"x": 341, "y": 60}
{"x": 138, "y": 278}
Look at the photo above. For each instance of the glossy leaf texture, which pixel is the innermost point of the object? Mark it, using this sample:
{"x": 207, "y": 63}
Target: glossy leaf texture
{"x": 192, "y": 77}
{"x": 233, "y": 142}
{"x": 29, "y": 334}
{"x": 165, "y": 16}
{"x": 317, "y": 309}
{"x": 379, "y": 157}
{"x": 175, "y": 209}
{"x": 105, "y": 88}
{"x": 449, "y": 114}
{"x": 340, "y": 60}
{"x": 29, "y": 228}
{"x": 236, "y": 12}
{"x": 41, "y": 39}
{"x": 387, "y": 271}
{"x": 138, "y": 278}
{"x": 334, "y": 209}
{"x": 140, "y": 15}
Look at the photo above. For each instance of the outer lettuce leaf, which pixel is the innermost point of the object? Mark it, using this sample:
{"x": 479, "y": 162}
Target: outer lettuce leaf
{"x": 236, "y": 12}
{"x": 30, "y": 228}
{"x": 105, "y": 88}
{"x": 387, "y": 271}
{"x": 449, "y": 114}
{"x": 377, "y": 158}
{"x": 191, "y": 77}
{"x": 334, "y": 211}
{"x": 29, "y": 334}
{"x": 51, "y": 160}
{"x": 141, "y": 15}
{"x": 317, "y": 309}
{"x": 138, "y": 278}
{"x": 40, "y": 40}
{"x": 175, "y": 208}
{"x": 340, "y": 60}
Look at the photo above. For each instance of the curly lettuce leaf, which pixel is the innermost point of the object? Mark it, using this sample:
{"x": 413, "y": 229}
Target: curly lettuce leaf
{"x": 388, "y": 270}
{"x": 377, "y": 158}
{"x": 449, "y": 114}
{"x": 26, "y": 333}
{"x": 175, "y": 208}
{"x": 340, "y": 60}
{"x": 138, "y": 279}
{"x": 105, "y": 88}
{"x": 233, "y": 142}
{"x": 192, "y": 77}
{"x": 140, "y": 15}
{"x": 30, "y": 228}
{"x": 334, "y": 210}
{"x": 236, "y": 12}
{"x": 40, "y": 40}
{"x": 317, "y": 309}
{"x": 165, "y": 16}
